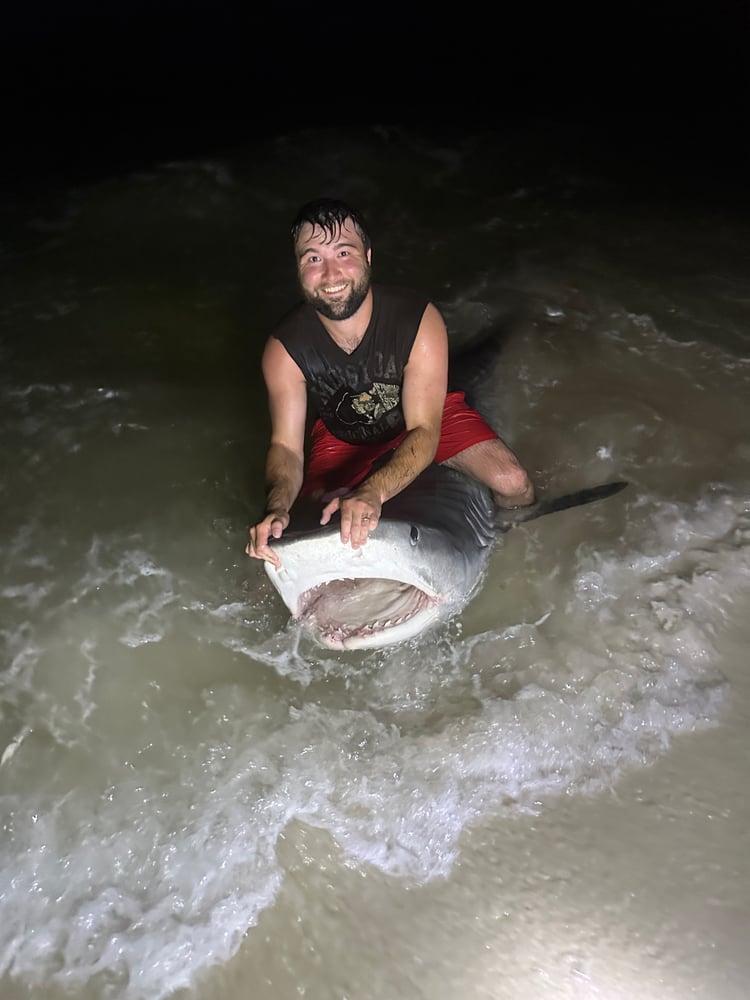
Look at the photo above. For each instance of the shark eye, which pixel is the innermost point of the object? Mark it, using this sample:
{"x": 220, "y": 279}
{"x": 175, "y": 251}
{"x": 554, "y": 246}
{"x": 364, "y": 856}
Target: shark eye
{"x": 414, "y": 534}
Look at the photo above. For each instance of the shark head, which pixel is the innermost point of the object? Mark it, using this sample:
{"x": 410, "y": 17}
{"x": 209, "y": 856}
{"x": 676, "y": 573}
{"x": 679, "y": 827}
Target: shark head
{"x": 419, "y": 565}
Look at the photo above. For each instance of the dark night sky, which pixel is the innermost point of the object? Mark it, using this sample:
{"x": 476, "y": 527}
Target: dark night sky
{"x": 84, "y": 82}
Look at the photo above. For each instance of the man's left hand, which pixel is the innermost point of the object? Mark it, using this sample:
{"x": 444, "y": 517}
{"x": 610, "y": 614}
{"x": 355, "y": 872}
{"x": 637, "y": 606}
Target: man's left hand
{"x": 360, "y": 512}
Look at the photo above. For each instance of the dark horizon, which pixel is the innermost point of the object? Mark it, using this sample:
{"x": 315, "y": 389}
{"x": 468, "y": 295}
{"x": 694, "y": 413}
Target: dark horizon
{"x": 655, "y": 91}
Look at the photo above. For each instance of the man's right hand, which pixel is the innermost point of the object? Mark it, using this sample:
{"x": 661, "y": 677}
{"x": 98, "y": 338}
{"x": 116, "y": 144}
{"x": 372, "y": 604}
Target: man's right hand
{"x": 272, "y": 525}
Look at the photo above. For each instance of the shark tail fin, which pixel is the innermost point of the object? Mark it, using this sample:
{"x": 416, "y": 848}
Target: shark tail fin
{"x": 506, "y": 519}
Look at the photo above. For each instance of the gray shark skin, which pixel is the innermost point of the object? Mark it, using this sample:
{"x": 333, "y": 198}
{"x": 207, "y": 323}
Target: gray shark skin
{"x": 420, "y": 565}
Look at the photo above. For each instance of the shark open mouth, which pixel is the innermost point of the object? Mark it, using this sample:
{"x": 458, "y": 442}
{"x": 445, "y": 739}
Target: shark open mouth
{"x": 356, "y": 613}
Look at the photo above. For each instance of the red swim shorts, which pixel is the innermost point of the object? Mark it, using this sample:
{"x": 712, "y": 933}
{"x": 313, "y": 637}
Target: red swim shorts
{"x": 337, "y": 465}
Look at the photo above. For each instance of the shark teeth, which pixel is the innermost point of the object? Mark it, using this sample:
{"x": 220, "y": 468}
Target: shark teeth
{"x": 346, "y": 609}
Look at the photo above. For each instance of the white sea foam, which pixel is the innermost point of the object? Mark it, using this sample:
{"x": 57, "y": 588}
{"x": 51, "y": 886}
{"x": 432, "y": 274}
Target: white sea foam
{"x": 151, "y": 863}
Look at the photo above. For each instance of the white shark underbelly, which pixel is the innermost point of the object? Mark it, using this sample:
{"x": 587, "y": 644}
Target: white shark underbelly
{"x": 420, "y": 565}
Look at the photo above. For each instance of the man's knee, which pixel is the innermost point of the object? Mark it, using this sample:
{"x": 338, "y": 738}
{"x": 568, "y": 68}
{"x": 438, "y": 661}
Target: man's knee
{"x": 514, "y": 489}
{"x": 509, "y": 480}
{"x": 493, "y": 464}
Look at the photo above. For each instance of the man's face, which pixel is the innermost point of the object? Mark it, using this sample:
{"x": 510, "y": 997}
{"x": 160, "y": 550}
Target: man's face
{"x": 334, "y": 274}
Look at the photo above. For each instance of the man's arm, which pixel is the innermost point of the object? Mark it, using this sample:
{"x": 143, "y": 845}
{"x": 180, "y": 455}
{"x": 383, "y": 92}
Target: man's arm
{"x": 287, "y": 404}
{"x": 423, "y": 399}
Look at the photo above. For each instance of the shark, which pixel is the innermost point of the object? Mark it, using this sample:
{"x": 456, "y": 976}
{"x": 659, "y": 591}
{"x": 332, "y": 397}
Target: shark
{"x": 421, "y": 565}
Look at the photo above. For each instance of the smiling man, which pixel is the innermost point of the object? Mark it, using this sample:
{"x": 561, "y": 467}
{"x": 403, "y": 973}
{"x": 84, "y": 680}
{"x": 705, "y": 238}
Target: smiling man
{"x": 374, "y": 359}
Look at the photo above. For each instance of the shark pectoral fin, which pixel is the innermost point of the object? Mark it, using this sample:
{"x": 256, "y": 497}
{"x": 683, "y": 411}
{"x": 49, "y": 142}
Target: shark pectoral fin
{"x": 507, "y": 519}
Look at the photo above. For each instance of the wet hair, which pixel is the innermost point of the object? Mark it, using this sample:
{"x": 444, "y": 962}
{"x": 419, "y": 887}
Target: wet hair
{"x": 330, "y": 214}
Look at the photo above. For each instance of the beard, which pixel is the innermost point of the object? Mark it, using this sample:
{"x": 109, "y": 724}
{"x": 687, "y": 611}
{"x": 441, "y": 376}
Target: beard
{"x": 345, "y": 307}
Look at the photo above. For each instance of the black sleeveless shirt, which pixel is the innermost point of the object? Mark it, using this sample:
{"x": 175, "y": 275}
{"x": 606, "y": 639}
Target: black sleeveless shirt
{"x": 358, "y": 395}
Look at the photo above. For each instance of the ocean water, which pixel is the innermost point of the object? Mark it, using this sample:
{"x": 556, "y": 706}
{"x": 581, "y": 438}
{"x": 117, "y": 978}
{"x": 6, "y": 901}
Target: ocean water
{"x": 544, "y": 797}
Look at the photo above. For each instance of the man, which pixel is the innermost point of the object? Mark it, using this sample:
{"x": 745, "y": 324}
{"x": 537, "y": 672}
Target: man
{"x": 375, "y": 360}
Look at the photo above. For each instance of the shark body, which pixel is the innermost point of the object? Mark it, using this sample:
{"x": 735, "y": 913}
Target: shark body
{"x": 420, "y": 565}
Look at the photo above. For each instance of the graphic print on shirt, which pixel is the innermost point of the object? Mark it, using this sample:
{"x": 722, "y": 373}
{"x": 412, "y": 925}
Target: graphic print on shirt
{"x": 367, "y": 407}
